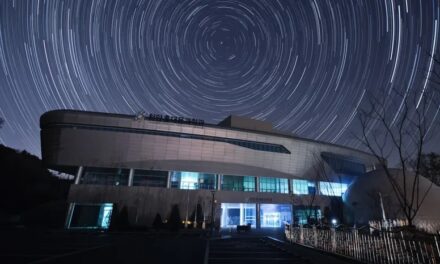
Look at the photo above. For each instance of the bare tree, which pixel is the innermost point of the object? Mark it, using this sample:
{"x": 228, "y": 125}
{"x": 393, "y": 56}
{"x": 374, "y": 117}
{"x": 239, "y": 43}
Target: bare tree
{"x": 319, "y": 172}
{"x": 309, "y": 201}
{"x": 434, "y": 76}
{"x": 401, "y": 135}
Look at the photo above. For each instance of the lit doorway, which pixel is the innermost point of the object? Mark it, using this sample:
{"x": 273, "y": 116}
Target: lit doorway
{"x": 234, "y": 214}
{"x": 275, "y": 215}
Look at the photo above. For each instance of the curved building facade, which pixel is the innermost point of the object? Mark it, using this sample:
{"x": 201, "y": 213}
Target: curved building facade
{"x": 241, "y": 171}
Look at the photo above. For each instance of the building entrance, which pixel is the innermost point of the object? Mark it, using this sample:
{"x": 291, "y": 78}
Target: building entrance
{"x": 271, "y": 215}
{"x": 234, "y": 214}
{"x": 275, "y": 215}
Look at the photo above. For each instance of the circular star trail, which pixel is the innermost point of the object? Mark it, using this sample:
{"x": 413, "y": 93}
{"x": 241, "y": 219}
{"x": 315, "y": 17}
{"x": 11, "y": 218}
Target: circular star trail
{"x": 306, "y": 66}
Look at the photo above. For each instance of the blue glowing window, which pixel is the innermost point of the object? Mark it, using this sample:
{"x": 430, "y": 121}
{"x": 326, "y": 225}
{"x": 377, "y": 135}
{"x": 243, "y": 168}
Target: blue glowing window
{"x": 303, "y": 187}
{"x": 275, "y": 185}
{"x": 332, "y": 188}
{"x": 188, "y": 180}
{"x": 90, "y": 216}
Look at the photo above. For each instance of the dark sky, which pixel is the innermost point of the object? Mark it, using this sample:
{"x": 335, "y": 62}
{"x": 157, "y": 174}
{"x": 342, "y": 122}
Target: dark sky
{"x": 307, "y": 66}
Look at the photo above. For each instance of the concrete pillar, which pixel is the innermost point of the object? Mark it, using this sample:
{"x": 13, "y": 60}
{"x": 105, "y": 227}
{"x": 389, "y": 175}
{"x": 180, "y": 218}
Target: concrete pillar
{"x": 130, "y": 177}
{"x": 219, "y": 181}
{"x": 258, "y": 216}
{"x": 242, "y": 215}
{"x": 169, "y": 180}
{"x": 290, "y": 182}
{"x": 79, "y": 174}
{"x": 257, "y": 184}
{"x": 292, "y": 213}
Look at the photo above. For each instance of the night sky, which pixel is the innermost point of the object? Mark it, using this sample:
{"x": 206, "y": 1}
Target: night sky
{"x": 307, "y": 66}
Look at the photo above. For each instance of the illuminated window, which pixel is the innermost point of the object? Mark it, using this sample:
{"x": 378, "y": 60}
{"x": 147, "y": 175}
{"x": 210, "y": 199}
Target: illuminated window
{"x": 305, "y": 215}
{"x": 332, "y": 188}
{"x": 238, "y": 183}
{"x": 90, "y": 216}
{"x": 234, "y": 214}
{"x": 275, "y": 215}
{"x": 192, "y": 180}
{"x": 303, "y": 187}
{"x": 275, "y": 185}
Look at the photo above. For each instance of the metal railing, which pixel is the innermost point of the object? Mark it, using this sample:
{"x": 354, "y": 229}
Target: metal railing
{"x": 425, "y": 225}
{"x": 385, "y": 247}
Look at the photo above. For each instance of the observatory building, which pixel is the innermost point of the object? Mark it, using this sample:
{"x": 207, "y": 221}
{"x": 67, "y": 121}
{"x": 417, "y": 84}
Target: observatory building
{"x": 241, "y": 171}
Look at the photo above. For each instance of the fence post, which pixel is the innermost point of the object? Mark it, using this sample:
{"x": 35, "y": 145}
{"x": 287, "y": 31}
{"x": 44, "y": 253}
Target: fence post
{"x": 291, "y": 230}
{"x": 356, "y": 251}
{"x": 301, "y": 234}
{"x": 315, "y": 236}
{"x": 436, "y": 245}
{"x": 333, "y": 238}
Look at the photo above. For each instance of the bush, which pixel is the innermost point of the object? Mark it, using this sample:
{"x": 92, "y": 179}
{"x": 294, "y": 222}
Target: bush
{"x": 175, "y": 222}
{"x": 157, "y": 223}
{"x": 119, "y": 220}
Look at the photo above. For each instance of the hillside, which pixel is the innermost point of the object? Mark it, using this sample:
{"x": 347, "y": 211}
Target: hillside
{"x": 27, "y": 185}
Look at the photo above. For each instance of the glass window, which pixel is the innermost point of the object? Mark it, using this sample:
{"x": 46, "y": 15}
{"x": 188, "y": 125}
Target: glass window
{"x": 275, "y": 215}
{"x": 105, "y": 176}
{"x": 332, "y": 188}
{"x": 91, "y": 216}
{"x": 303, "y": 187}
{"x": 234, "y": 214}
{"x": 275, "y": 185}
{"x": 192, "y": 180}
{"x": 262, "y": 146}
{"x": 150, "y": 178}
{"x": 307, "y": 215}
{"x": 238, "y": 183}
{"x": 343, "y": 164}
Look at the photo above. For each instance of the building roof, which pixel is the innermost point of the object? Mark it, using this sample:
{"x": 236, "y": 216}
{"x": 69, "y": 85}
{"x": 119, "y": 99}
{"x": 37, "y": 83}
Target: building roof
{"x": 232, "y": 122}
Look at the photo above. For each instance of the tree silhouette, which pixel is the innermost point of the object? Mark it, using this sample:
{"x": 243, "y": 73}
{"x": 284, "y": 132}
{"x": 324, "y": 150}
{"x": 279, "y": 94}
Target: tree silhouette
{"x": 119, "y": 220}
{"x": 175, "y": 222}
{"x": 404, "y": 135}
{"x": 157, "y": 223}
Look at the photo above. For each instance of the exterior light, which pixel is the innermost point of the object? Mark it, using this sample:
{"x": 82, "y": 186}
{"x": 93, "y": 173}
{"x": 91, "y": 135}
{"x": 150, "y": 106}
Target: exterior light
{"x": 334, "y": 221}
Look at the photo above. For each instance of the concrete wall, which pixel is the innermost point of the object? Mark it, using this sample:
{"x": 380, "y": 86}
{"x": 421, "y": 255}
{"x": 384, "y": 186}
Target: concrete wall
{"x": 82, "y": 147}
{"x": 365, "y": 194}
{"x": 143, "y": 203}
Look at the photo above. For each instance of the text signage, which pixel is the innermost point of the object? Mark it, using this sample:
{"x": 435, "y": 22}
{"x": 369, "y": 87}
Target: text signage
{"x": 173, "y": 119}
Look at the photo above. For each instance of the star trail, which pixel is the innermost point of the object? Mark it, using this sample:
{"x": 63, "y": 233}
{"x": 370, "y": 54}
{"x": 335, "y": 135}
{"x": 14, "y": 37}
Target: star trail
{"x": 305, "y": 65}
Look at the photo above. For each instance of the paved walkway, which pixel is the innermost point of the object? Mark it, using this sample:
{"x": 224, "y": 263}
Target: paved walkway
{"x": 265, "y": 246}
{"x": 248, "y": 250}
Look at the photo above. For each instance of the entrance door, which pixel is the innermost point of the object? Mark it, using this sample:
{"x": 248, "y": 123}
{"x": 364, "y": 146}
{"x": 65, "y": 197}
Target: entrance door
{"x": 275, "y": 215}
{"x": 234, "y": 214}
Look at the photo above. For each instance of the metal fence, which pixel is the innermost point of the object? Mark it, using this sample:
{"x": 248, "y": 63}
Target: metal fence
{"x": 385, "y": 247}
{"x": 425, "y": 225}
